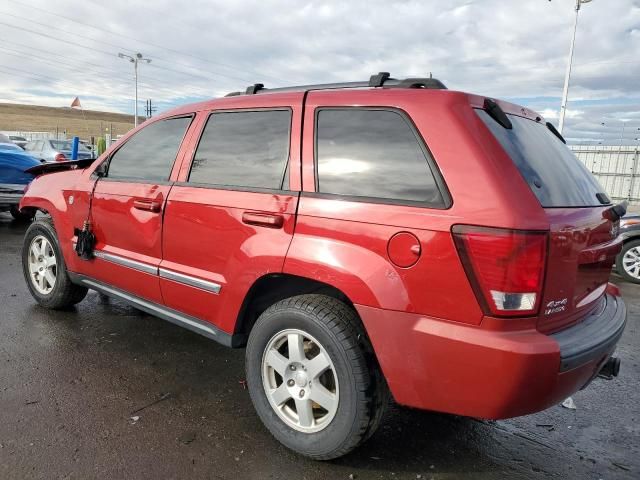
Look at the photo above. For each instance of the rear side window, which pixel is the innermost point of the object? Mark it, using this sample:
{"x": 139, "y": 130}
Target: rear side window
{"x": 374, "y": 154}
{"x": 150, "y": 153}
{"x": 554, "y": 174}
{"x": 243, "y": 149}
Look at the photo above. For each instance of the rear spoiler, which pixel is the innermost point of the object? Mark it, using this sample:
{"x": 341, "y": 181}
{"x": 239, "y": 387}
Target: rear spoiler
{"x": 45, "y": 168}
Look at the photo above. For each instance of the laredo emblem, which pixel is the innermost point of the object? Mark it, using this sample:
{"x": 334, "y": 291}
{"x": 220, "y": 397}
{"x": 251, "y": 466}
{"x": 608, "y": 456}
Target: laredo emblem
{"x": 556, "y": 306}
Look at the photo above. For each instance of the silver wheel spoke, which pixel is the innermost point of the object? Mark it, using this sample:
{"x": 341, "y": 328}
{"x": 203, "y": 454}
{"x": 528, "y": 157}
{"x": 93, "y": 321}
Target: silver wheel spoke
{"x": 295, "y": 342}
{"x": 280, "y": 395}
{"x": 323, "y": 397}
{"x": 49, "y": 277}
{"x": 304, "y": 409}
{"x": 49, "y": 261}
{"x": 317, "y": 365}
{"x": 277, "y": 361}
{"x": 43, "y": 247}
{"x": 41, "y": 281}
{"x": 35, "y": 251}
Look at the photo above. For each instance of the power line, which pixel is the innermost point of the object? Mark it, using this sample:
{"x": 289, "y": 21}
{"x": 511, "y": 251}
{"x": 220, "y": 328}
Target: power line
{"x": 120, "y": 47}
{"x": 231, "y": 67}
{"x": 96, "y": 50}
{"x": 104, "y": 72}
{"x": 23, "y": 29}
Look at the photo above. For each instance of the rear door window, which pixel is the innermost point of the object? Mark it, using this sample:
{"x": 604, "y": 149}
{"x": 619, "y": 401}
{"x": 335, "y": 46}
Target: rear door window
{"x": 247, "y": 149}
{"x": 149, "y": 155}
{"x": 554, "y": 174}
{"x": 373, "y": 154}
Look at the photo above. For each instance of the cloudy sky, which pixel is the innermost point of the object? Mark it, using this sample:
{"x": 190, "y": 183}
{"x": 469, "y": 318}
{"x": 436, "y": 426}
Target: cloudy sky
{"x": 51, "y": 51}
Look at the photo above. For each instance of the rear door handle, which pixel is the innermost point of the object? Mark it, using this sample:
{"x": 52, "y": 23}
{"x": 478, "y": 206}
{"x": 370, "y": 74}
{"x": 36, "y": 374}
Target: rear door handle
{"x": 147, "y": 205}
{"x": 263, "y": 219}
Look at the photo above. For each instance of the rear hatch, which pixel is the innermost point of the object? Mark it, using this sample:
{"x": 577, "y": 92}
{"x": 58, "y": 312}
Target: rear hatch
{"x": 583, "y": 239}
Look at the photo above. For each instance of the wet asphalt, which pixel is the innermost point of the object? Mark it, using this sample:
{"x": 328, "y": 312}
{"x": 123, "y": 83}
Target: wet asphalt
{"x": 105, "y": 391}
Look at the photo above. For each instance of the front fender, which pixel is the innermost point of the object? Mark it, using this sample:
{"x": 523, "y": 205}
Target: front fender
{"x": 64, "y": 196}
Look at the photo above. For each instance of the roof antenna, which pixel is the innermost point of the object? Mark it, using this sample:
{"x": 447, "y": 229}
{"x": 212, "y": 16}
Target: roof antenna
{"x": 430, "y": 74}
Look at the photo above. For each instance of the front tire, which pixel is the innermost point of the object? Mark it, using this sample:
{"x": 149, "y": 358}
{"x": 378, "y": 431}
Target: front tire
{"x": 628, "y": 261}
{"x": 45, "y": 270}
{"x": 309, "y": 377}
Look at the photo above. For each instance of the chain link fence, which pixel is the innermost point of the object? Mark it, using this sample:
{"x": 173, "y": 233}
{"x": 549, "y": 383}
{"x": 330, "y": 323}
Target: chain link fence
{"x": 617, "y": 169}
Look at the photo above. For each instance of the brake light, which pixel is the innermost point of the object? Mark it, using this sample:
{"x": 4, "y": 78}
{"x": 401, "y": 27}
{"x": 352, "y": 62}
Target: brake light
{"x": 505, "y": 267}
{"x": 60, "y": 157}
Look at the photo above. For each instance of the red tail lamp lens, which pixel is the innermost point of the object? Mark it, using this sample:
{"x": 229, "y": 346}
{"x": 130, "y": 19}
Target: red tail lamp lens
{"x": 506, "y": 267}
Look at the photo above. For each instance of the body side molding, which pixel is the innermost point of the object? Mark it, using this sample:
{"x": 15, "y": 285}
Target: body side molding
{"x": 191, "y": 323}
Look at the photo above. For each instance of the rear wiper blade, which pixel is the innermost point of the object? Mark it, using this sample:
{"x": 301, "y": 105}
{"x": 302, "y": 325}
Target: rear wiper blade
{"x": 495, "y": 112}
{"x": 556, "y": 132}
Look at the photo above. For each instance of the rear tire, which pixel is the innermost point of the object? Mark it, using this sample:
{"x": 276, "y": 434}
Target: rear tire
{"x": 346, "y": 400}
{"x": 45, "y": 270}
{"x": 628, "y": 261}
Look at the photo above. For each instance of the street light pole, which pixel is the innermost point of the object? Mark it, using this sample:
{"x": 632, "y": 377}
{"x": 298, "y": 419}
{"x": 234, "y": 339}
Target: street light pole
{"x": 135, "y": 60}
{"x": 567, "y": 77}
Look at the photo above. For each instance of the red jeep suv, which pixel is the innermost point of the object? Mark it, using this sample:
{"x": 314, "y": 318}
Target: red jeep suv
{"x": 365, "y": 240}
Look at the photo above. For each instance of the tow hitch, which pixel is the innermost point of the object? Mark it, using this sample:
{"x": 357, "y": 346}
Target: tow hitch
{"x": 610, "y": 369}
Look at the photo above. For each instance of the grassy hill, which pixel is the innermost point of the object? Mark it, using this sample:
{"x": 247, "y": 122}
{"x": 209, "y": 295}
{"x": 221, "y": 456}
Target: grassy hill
{"x": 32, "y": 118}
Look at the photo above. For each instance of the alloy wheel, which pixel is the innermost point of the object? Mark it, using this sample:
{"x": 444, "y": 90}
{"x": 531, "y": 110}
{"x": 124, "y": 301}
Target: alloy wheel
{"x": 300, "y": 381}
{"x": 631, "y": 262}
{"x": 43, "y": 266}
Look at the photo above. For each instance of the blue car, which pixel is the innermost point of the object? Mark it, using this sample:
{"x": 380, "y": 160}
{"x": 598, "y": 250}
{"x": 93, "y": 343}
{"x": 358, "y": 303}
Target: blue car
{"x": 13, "y": 178}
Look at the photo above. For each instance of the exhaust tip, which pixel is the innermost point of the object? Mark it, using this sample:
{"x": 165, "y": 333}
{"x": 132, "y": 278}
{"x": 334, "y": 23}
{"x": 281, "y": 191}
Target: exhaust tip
{"x": 610, "y": 369}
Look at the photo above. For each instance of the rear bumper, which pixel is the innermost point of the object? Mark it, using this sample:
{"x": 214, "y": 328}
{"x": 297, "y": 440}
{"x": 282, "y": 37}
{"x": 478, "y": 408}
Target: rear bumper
{"x": 466, "y": 370}
{"x": 594, "y": 336}
{"x": 10, "y": 194}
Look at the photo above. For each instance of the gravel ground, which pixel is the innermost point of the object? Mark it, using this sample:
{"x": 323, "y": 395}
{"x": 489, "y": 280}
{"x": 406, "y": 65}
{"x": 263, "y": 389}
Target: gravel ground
{"x": 104, "y": 391}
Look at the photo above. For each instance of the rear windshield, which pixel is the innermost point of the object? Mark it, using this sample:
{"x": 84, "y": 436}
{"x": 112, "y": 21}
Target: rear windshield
{"x": 554, "y": 174}
{"x": 61, "y": 144}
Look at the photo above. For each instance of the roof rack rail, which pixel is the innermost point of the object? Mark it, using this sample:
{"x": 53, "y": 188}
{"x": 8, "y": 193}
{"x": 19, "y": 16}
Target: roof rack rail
{"x": 381, "y": 79}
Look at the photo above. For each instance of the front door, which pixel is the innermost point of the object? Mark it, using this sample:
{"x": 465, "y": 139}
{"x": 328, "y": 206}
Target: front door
{"x": 231, "y": 219}
{"x": 127, "y": 208}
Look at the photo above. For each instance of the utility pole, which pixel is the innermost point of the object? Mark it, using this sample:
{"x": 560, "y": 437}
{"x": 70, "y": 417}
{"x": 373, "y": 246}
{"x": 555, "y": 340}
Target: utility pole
{"x": 137, "y": 58}
{"x": 567, "y": 77}
{"x": 149, "y": 108}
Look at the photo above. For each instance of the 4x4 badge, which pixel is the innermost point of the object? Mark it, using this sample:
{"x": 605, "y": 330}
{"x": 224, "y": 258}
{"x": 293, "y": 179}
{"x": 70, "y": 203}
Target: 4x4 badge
{"x": 556, "y": 306}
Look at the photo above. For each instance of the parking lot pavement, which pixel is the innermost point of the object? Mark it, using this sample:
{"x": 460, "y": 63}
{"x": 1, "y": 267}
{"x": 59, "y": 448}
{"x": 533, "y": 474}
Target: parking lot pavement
{"x": 104, "y": 391}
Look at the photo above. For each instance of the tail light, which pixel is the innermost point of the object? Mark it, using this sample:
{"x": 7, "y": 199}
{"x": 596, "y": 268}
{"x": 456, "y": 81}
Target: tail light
{"x": 506, "y": 267}
{"x": 60, "y": 157}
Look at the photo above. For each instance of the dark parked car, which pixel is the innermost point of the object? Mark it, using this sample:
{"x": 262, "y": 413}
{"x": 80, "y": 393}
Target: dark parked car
{"x": 13, "y": 179}
{"x": 366, "y": 239}
{"x": 628, "y": 261}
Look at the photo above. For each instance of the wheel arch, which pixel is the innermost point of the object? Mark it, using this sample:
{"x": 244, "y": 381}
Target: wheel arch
{"x": 272, "y": 288}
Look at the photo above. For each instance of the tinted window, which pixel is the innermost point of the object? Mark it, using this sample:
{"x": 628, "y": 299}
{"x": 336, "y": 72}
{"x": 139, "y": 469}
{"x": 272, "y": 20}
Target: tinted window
{"x": 554, "y": 174}
{"x": 150, "y": 153}
{"x": 372, "y": 153}
{"x": 245, "y": 149}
